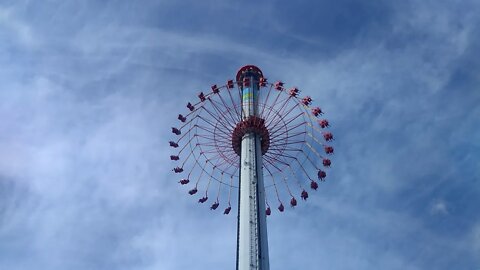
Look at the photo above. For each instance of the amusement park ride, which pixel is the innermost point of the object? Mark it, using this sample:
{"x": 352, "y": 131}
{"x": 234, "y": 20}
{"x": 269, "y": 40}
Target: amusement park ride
{"x": 250, "y": 136}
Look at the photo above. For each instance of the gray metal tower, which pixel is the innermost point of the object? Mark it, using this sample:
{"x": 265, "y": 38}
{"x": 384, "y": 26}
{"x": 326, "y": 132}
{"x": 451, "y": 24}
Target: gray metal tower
{"x": 252, "y": 248}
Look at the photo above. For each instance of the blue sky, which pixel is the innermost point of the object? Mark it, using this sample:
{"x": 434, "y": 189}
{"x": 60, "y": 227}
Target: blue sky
{"x": 87, "y": 91}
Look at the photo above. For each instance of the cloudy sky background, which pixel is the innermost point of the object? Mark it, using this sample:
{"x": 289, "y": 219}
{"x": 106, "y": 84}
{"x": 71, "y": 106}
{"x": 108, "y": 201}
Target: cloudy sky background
{"x": 87, "y": 91}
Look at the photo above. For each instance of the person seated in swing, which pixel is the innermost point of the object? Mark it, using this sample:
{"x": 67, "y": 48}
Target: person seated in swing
{"x": 304, "y": 195}
{"x": 214, "y": 206}
{"x": 293, "y": 202}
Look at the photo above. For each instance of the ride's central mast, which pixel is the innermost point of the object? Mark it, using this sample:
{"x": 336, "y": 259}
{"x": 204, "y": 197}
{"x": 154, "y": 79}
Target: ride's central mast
{"x": 252, "y": 242}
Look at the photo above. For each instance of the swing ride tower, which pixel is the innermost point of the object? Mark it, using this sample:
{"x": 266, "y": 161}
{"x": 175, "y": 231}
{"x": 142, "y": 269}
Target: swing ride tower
{"x": 246, "y": 140}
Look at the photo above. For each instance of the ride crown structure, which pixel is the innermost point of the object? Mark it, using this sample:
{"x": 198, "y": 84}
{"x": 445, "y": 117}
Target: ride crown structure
{"x": 236, "y": 133}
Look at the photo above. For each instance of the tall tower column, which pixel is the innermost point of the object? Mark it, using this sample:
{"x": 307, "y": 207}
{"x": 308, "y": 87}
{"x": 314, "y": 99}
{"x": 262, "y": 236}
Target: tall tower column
{"x": 252, "y": 242}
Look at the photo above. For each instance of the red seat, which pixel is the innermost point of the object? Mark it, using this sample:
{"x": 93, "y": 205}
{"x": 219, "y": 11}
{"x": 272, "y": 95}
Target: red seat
{"x": 182, "y": 118}
{"x": 230, "y": 84}
{"x": 326, "y": 162}
{"x": 278, "y": 85}
{"x": 328, "y": 136}
{"x": 321, "y": 175}
{"x": 214, "y": 206}
{"x": 176, "y": 131}
{"x": 317, "y": 111}
{"x": 323, "y": 123}
{"x": 201, "y": 96}
{"x": 293, "y": 202}
{"x": 293, "y": 92}
{"x": 304, "y": 195}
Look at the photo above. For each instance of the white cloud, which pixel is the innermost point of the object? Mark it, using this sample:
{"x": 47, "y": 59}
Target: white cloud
{"x": 21, "y": 30}
{"x": 476, "y": 240}
{"x": 439, "y": 207}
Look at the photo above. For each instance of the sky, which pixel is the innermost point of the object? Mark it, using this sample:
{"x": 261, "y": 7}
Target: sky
{"x": 90, "y": 89}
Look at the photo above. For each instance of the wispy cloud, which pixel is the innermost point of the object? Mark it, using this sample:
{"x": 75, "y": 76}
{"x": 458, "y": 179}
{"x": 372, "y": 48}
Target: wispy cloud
{"x": 439, "y": 208}
{"x": 20, "y": 31}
